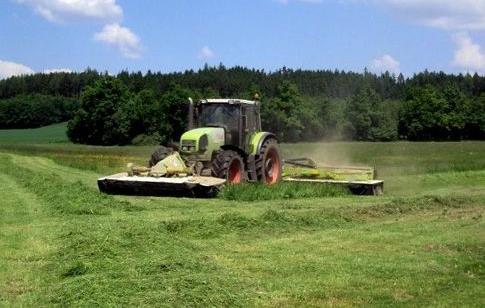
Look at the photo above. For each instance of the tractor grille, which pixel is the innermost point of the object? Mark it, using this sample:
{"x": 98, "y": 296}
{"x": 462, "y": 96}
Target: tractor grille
{"x": 188, "y": 145}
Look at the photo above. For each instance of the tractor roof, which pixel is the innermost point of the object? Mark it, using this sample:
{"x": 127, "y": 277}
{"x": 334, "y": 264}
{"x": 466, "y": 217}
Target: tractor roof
{"x": 228, "y": 101}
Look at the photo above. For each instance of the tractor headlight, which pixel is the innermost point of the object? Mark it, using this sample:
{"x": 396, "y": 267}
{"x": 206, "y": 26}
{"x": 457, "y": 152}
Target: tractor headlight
{"x": 203, "y": 142}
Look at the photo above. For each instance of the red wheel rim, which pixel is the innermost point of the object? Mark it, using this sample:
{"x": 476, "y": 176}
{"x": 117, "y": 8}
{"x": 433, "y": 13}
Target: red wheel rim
{"x": 272, "y": 168}
{"x": 235, "y": 172}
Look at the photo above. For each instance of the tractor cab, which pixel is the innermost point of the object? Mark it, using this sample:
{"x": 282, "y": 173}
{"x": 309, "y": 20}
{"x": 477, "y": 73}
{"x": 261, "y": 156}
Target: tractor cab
{"x": 238, "y": 118}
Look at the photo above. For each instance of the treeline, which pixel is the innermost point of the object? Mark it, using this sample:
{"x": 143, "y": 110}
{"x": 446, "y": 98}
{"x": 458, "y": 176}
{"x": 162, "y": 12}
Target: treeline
{"x": 36, "y": 110}
{"x": 298, "y": 105}
{"x": 232, "y": 82}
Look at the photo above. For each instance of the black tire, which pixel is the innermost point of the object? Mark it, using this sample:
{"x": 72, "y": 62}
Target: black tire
{"x": 224, "y": 166}
{"x": 268, "y": 162}
{"x": 159, "y": 154}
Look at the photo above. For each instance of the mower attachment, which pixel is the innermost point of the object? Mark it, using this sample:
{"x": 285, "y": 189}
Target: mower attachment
{"x": 359, "y": 180}
{"x": 188, "y": 186}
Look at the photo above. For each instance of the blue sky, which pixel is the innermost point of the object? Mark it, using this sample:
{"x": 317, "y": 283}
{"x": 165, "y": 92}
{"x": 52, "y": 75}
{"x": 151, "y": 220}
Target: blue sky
{"x": 397, "y": 35}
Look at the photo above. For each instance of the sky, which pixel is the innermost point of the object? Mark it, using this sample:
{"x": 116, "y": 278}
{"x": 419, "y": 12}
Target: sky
{"x": 400, "y": 36}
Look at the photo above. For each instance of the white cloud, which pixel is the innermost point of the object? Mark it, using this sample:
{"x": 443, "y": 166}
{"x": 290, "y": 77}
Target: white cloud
{"x": 468, "y": 55}
{"x": 453, "y": 16}
{"x": 122, "y": 38}
{"x": 63, "y": 10}
{"x": 9, "y": 69}
{"x": 57, "y": 70}
{"x": 106, "y": 11}
{"x": 385, "y": 63}
{"x": 444, "y": 14}
{"x": 206, "y": 53}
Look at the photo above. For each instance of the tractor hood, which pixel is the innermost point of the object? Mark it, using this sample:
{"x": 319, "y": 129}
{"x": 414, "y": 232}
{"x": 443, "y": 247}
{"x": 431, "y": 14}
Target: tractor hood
{"x": 200, "y": 140}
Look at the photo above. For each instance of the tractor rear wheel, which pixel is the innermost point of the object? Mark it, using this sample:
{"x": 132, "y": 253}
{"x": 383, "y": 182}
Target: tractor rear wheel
{"x": 159, "y": 154}
{"x": 228, "y": 165}
{"x": 268, "y": 163}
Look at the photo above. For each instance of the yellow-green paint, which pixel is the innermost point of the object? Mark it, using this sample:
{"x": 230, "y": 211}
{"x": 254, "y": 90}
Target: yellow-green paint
{"x": 215, "y": 139}
{"x": 254, "y": 141}
{"x": 328, "y": 173}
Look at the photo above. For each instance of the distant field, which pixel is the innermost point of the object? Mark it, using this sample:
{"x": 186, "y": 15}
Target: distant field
{"x": 405, "y": 166}
{"x": 49, "y": 134}
{"x": 421, "y": 244}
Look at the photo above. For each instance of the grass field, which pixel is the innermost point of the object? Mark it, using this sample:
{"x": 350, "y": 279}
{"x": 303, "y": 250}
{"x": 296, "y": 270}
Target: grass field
{"x": 55, "y": 133}
{"x": 422, "y": 243}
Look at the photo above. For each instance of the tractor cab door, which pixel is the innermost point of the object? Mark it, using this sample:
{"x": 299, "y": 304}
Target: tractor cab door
{"x": 250, "y": 124}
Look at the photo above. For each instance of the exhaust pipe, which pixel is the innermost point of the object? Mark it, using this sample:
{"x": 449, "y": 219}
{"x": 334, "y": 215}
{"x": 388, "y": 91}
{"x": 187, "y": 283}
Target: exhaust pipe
{"x": 190, "y": 120}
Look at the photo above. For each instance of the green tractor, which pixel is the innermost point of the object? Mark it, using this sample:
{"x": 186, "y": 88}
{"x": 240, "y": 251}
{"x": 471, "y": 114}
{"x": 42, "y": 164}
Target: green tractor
{"x": 224, "y": 140}
{"x": 225, "y": 144}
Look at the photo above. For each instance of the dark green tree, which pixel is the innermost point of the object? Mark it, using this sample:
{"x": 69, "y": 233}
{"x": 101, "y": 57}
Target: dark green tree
{"x": 282, "y": 113}
{"x": 475, "y": 126}
{"x": 35, "y": 110}
{"x": 105, "y": 116}
{"x": 173, "y": 112}
{"x": 293, "y": 117}
{"x": 422, "y": 116}
{"x": 368, "y": 118}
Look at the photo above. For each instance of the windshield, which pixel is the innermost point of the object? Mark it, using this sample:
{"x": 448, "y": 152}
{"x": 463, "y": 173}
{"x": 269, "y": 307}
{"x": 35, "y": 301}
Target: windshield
{"x": 220, "y": 115}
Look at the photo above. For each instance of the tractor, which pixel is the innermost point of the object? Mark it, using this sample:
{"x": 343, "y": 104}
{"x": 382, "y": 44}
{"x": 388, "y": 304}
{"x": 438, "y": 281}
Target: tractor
{"x": 224, "y": 144}
{"x": 225, "y": 140}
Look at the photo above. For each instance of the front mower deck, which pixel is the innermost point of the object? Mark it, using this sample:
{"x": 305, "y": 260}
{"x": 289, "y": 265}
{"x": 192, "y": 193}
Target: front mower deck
{"x": 188, "y": 186}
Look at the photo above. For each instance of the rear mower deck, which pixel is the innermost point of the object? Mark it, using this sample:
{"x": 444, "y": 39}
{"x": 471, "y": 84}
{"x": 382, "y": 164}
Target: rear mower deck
{"x": 369, "y": 187}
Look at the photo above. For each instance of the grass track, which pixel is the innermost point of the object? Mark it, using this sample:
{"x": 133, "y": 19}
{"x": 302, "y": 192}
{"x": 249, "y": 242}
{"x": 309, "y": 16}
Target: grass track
{"x": 25, "y": 245}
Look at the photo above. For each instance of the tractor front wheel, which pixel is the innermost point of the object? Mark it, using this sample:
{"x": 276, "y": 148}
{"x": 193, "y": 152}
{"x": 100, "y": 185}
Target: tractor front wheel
{"x": 159, "y": 154}
{"x": 228, "y": 165}
{"x": 268, "y": 163}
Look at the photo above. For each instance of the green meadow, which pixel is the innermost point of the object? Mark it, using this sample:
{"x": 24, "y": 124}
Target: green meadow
{"x": 420, "y": 244}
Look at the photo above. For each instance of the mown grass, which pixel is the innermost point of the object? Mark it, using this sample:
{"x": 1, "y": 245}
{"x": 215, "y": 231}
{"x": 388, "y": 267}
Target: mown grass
{"x": 339, "y": 250}
{"x": 63, "y": 243}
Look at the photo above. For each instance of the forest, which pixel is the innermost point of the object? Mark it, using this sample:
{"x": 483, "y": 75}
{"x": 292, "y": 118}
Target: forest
{"x": 298, "y": 105}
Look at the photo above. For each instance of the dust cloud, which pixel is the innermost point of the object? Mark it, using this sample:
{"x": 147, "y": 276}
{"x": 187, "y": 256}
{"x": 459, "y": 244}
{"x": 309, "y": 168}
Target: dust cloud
{"x": 323, "y": 153}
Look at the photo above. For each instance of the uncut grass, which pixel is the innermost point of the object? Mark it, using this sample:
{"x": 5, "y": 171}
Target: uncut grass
{"x": 395, "y": 158}
{"x": 390, "y": 159}
{"x": 55, "y": 133}
{"x": 258, "y": 192}
{"x": 94, "y": 158}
